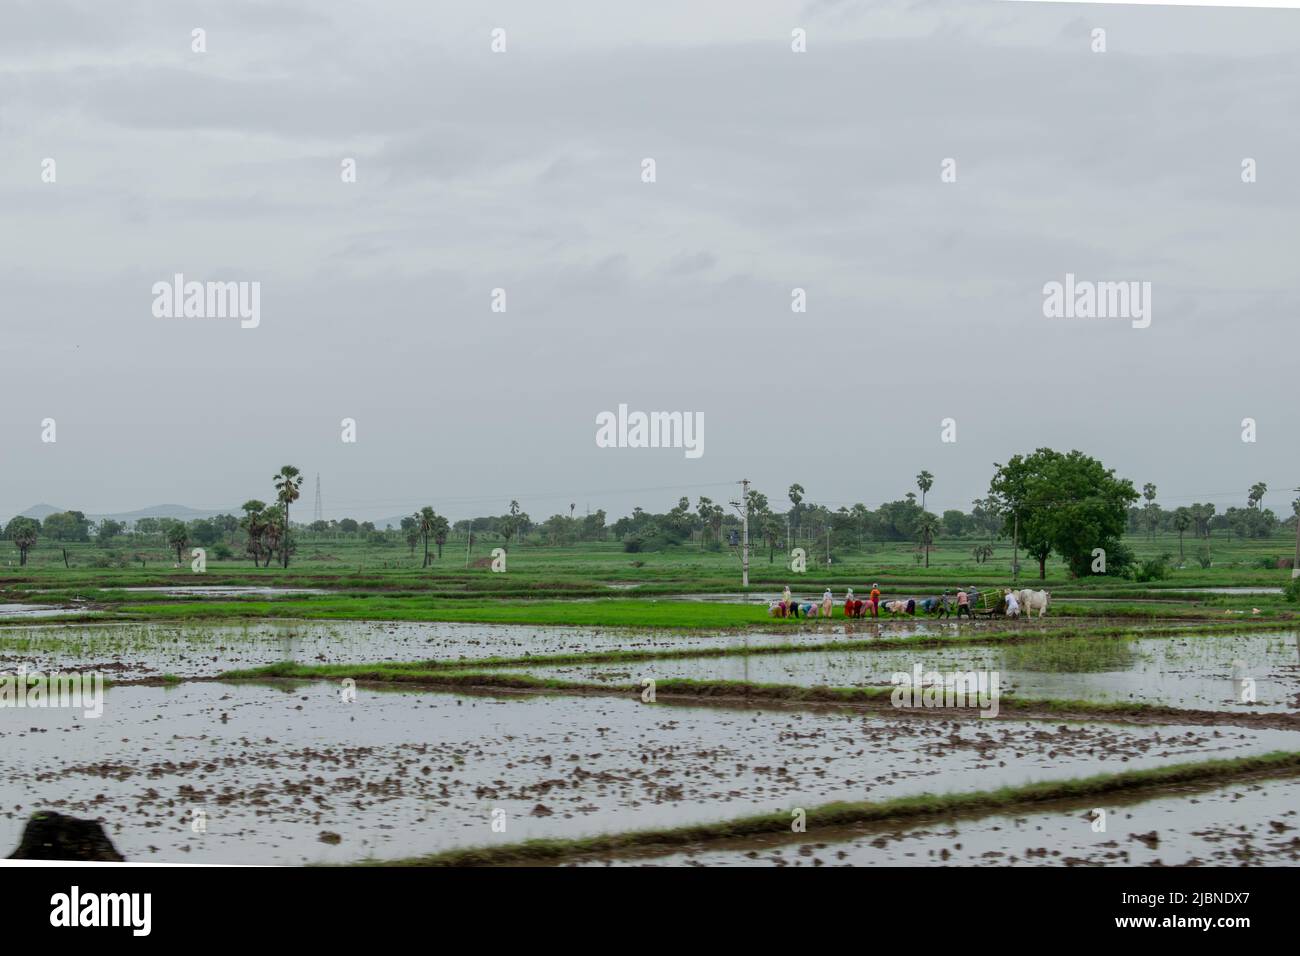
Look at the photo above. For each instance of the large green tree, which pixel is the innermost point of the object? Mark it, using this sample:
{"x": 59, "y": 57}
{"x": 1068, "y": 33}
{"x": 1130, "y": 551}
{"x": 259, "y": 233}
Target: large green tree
{"x": 1068, "y": 503}
{"x": 67, "y": 526}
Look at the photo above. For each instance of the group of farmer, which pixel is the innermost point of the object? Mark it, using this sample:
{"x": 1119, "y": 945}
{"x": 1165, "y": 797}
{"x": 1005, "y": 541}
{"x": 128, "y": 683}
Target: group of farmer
{"x": 853, "y": 607}
{"x": 943, "y": 606}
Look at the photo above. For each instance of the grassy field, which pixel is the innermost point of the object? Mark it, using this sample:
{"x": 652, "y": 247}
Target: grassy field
{"x": 600, "y": 585}
{"x": 353, "y": 563}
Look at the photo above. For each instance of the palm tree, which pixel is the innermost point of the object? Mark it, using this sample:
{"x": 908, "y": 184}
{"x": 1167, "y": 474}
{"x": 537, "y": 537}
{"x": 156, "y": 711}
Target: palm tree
{"x": 796, "y": 498}
{"x": 1182, "y": 521}
{"x": 861, "y": 517}
{"x": 430, "y": 524}
{"x": 1255, "y": 498}
{"x": 410, "y": 528}
{"x": 255, "y": 527}
{"x": 924, "y": 481}
{"x": 511, "y": 523}
{"x": 705, "y": 510}
{"x": 22, "y": 532}
{"x": 926, "y": 528}
{"x": 772, "y": 532}
{"x": 178, "y": 536}
{"x": 273, "y": 528}
{"x": 1149, "y": 493}
{"x": 441, "y": 528}
{"x": 287, "y": 483}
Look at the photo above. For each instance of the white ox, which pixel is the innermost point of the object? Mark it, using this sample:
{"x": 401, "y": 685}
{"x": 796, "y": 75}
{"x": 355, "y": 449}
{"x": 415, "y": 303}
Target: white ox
{"x": 1029, "y": 600}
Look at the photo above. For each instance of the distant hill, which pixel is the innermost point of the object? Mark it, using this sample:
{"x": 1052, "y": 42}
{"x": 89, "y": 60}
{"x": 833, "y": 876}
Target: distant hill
{"x": 40, "y": 512}
{"x": 179, "y": 512}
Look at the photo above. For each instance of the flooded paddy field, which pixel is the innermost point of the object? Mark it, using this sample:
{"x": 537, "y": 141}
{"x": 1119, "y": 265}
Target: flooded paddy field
{"x": 1200, "y": 672}
{"x": 293, "y": 773}
{"x": 133, "y": 650}
{"x": 1243, "y": 824}
{"x": 20, "y": 612}
{"x": 207, "y": 590}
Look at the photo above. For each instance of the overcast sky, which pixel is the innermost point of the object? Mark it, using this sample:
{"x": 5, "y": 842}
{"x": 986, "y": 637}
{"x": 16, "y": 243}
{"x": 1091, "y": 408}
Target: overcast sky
{"x": 522, "y": 171}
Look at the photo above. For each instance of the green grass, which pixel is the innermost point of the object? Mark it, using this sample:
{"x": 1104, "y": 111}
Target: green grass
{"x": 587, "y": 568}
{"x": 631, "y": 612}
{"x": 901, "y": 810}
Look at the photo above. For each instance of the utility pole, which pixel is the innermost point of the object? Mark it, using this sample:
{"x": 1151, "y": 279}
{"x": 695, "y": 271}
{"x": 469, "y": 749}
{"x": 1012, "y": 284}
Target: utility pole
{"x": 743, "y": 507}
{"x": 1015, "y": 550}
{"x": 744, "y": 533}
{"x": 1295, "y": 567}
{"x": 469, "y": 539}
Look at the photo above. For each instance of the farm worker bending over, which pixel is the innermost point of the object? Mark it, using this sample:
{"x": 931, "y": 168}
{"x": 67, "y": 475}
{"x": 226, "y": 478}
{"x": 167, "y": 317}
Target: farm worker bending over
{"x": 1013, "y": 606}
{"x": 850, "y": 605}
{"x": 963, "y": 604}
{"x": 828, "y": 603}
{"x": 791, "y": 607}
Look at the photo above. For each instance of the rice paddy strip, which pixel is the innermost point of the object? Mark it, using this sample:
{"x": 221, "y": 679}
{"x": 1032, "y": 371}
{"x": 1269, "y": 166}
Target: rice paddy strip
{"x": 975, "y": 638}
{"x": 1028, "y": 796}
{"x": 737, "y": 692}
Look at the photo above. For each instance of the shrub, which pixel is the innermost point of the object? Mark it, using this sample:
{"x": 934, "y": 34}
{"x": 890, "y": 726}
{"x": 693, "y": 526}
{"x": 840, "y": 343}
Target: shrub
{"x": 1292, "y": 590}
{"x": 1156, "y": 569}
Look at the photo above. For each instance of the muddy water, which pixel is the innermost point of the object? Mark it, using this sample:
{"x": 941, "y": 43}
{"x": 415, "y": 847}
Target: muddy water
{"x": 196, "y": 650}
{"x": 1199, "y": 672}
{"x": 24, "y": 611}
{"x": 1231, "y": 590}
{"x": 1248, "y": 824}
{"x": 400, "y": 773}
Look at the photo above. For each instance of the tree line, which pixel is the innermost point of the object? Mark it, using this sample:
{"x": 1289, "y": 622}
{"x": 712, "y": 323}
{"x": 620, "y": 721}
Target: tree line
{"x": 1045, "y": 502}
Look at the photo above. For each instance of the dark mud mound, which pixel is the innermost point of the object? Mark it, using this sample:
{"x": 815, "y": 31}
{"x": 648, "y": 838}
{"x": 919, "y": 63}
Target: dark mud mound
{"x": 52, "y": 836}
